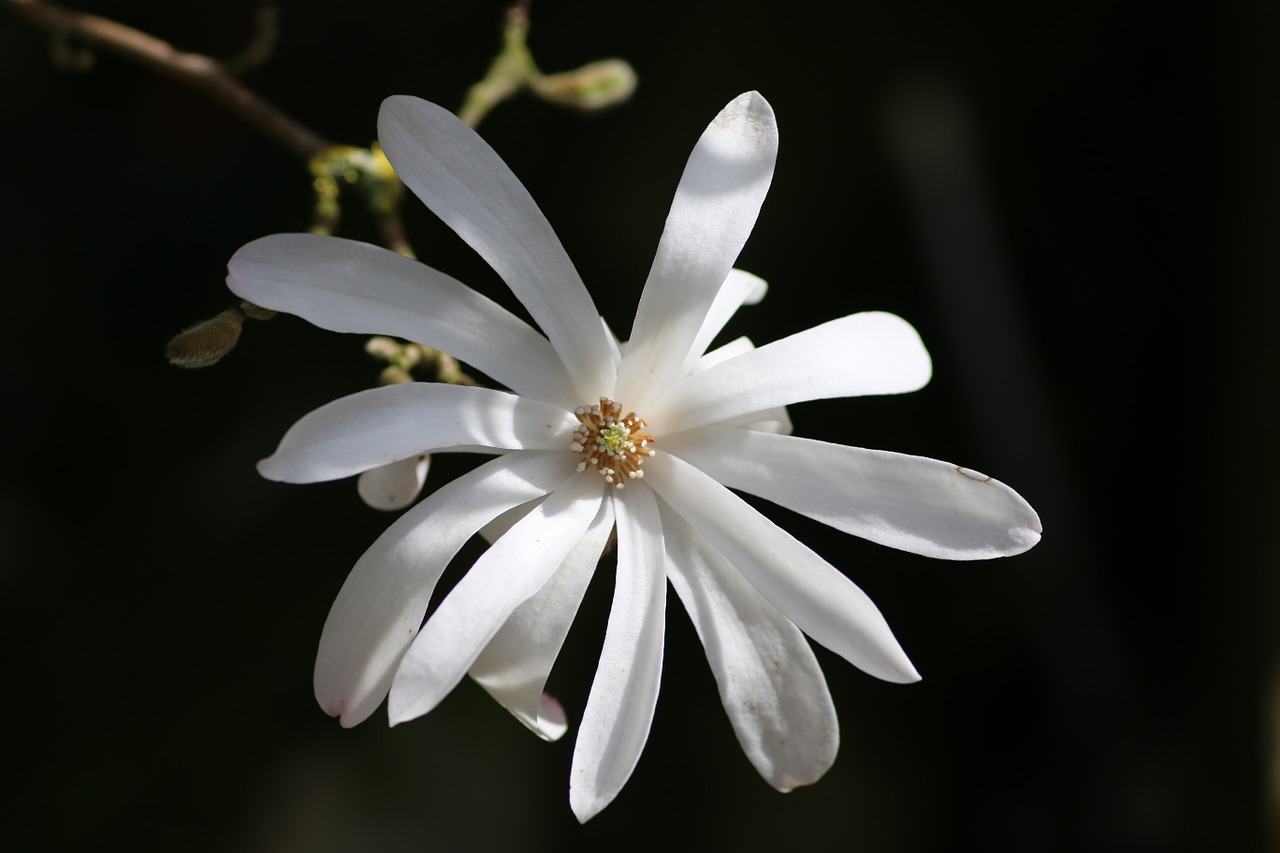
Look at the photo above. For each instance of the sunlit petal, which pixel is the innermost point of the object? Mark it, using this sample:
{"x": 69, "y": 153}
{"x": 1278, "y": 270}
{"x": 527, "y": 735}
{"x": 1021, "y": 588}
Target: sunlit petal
{"x": 348, "y": 286}
{"x": 515, "y": 665}
{"x": 615, "y": 724}
{"x": 769, "y": 680}
{"x": 805, "y": 588}
{"x": 869, "y": 353}
{"x": 465, "y": 183}
{"x": 379, "y": 608}
{"x": 714, "y": 210}
{"x": 508, "y": 574}
{"x": 775, "y": 419}
{"x": 379, "y": 426}
{"x": 740, "y": 288}
{"x": 395, "y": 485}
{"x": 909, "y": 502}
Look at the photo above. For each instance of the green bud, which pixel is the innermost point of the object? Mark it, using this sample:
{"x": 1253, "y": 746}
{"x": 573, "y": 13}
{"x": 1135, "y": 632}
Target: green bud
{"x": 382, "y": 348}
{"x": 393, "y": 375}
{"x": 592, "y": 87}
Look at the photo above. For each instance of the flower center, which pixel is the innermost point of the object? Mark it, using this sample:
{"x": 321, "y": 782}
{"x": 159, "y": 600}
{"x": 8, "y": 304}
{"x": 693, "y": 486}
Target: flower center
{"x": 614, "y": 445}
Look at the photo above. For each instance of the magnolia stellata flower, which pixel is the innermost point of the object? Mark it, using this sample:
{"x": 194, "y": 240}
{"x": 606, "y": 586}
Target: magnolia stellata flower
{"x": 647, "y": 437}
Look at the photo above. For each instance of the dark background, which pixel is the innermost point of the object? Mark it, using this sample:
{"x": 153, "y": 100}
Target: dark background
{"x": 1075, "y": 203}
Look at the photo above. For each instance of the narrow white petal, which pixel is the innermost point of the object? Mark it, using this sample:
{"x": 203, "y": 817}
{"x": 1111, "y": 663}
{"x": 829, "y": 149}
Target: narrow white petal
{"x": 769, "y": 680}
{"x": 515, "y": 665}
{"x": 868, "y": 353}
{"x": 714, "y": 210}
{"x": 732, "y": 349}
{"x": 395, "y": 485}
{"x": 379, "y": 608}
{"x": 615, "y": 346}
{"x": 508, "y": 574}
{"x": 806, "y": 589}
{"x": 775, "y": 419}
{"x": 740, "y": 288}
{"x": 379, "y": 426}
{"x": 615, "y": 724}
{"x": 912, "y": 503}
{"x": 467, "y": 185}
{"x": 493, "y": 531}
{"x": 347, "y": 286}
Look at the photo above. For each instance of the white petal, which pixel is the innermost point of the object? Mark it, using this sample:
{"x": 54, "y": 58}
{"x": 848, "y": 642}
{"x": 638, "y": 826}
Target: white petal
{"x": 396, "y": 485}
{"x": 467, "y": 185}
{"x": 805, "y": 588}
{"x": 347, "y": 286}
{"x": 493, "y": 531}
{"x": 868, "y": 353}
{"x": 908, "y": 502}
{"x": 740, "y": 288}
{"x": 515, "y": 665}
{"x": 615, "y": 347}
{"x": 775, "y": 419}
{"x": 379, "y": 608}
{"x": 615, "y": 724}
{"x": 769, "y": 679}
{"x": 714, "y": 210}
{"x": 732, "y": 349}
{"x": 379, "y": 426}
{"x": 508, "y": 574}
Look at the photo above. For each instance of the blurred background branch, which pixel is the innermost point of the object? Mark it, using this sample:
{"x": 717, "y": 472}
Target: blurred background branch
{"x": 201, "y": 73}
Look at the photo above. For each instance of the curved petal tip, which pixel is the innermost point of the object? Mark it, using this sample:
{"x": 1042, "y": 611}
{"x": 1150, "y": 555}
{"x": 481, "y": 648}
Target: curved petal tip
{"x": 268, "y": 470}
{"x": 1025, "y": 538}
{"x": 584, "y": 809}
{"x": 749, "y": 111}
{"x": 751, "y": 104}
{"x": 341, "y": 711}
{"x": 903, "y": 671}
{"x": 552, "y": 723}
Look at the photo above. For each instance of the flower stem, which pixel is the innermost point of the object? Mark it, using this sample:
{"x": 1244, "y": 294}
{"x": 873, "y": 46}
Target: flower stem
{"x": 511, "y": 71}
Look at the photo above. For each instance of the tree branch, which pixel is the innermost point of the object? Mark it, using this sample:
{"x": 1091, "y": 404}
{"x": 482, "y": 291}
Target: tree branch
{"x": 192, "y": 69}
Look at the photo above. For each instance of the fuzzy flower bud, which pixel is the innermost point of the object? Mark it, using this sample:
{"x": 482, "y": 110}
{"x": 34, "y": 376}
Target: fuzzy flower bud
{"x": 204, "y": 344}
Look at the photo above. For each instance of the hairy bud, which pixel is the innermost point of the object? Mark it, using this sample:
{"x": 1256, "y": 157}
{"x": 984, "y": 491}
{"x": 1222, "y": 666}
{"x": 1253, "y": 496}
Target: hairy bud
{"x": 204, "y": 344}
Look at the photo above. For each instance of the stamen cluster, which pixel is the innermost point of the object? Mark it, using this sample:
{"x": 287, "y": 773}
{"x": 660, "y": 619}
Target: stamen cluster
{"x": 613, "y": 445}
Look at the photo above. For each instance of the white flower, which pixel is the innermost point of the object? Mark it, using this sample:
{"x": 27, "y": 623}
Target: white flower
{"x": 705, "y": 424}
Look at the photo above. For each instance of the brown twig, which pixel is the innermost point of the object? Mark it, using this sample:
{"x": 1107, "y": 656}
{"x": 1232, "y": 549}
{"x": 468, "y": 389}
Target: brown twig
{"x": 195, "y": 70}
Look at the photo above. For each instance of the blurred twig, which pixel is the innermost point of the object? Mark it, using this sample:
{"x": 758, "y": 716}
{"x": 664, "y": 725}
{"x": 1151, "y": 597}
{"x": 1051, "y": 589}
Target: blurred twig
{"x": 260, "y": 46}
{"x": 202, "y": 73}
{"x": 332, "y": 167}
{"x": 594, "y": 86}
